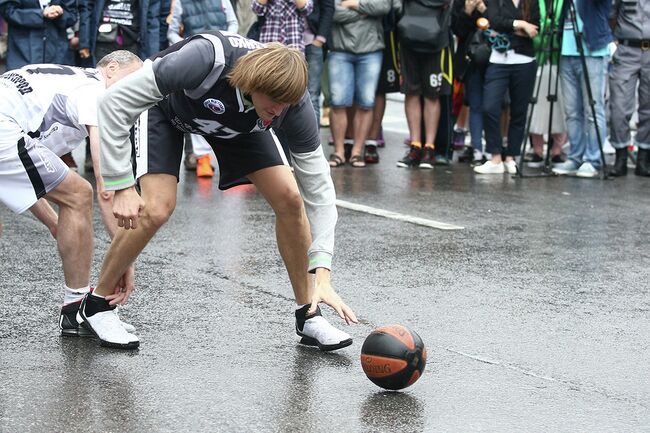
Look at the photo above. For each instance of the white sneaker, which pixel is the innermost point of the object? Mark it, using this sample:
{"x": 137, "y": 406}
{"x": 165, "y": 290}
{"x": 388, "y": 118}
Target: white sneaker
{"x": 587, "y": 170}
{"x": 317, "y": 331}
{"x": 567, "y": 167}
{"x": 490, "y": 168}
{"x": 106, "y": 325}
{"x": 127, "y": 326}
{"x": 511, "y": 166}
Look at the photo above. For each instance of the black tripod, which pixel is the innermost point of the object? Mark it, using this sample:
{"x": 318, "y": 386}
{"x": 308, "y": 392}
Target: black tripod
{"x": 550, "y": 34}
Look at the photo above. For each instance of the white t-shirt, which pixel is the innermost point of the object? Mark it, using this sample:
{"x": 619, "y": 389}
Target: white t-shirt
{"x": 54, "y": 101}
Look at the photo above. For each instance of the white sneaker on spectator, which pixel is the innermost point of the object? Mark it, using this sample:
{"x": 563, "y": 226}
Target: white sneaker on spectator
{"x": 587, "y": 170}
{"x": 490, "y": 168}
{"x": 567, "y": 167}
{"x": 511, "y": 166}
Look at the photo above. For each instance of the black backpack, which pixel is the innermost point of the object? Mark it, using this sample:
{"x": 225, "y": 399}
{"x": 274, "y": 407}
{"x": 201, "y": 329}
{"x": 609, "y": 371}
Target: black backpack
{"x": 424, "y": 25}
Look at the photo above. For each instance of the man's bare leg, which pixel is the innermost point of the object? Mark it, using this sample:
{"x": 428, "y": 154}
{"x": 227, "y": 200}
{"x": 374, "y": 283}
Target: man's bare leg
{"x": 431, "y": 119}
{"x": 279, "y": 188}
{"x": 74, "y": 234}
{"x": 159, "y": 194}
{"x": 413, "y": 110}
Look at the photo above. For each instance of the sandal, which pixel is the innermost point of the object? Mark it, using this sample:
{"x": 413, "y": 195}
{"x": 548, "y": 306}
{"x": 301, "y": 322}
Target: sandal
{"x": 335, "y": 160}
{"x": 357, "y": 161}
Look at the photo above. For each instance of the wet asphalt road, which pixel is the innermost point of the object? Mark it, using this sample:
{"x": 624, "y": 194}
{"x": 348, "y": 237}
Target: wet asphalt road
{"x": 535, "y": 315}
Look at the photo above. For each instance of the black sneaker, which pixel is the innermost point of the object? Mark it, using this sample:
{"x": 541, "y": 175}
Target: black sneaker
{"x": 557, "y": 159}
{"x": 467, "y": 155}
{"x": 412, "y": 157}
{"x": 428, "y": 158}
{"x": 441, "y": 160}
{"x": 68, "y": 322}
{"x": 371, "y": 155}
{"x": 315, "y": 330}
{"x": 536, "y": 161}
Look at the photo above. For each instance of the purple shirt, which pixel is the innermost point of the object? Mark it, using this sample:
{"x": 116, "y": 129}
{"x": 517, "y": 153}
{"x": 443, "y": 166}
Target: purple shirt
{"x": 284, "y": 22}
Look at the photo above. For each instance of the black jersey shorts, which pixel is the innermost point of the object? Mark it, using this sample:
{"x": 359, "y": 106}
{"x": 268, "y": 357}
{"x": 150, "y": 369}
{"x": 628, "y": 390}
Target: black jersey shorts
{"x": 159, "y": 149}
{"x": 426, "y": 74}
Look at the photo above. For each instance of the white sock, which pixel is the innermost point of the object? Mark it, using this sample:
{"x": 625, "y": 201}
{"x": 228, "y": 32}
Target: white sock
{"x": 73, "y": 295}
{"x": 94, "y": 293}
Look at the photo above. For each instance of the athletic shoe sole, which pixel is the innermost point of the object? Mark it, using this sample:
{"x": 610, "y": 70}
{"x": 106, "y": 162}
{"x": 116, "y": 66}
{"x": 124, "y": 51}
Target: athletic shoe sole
{"x": 81, "y": 318}
{"x": 308, "y": 341}
{"x": 81, "y": 332}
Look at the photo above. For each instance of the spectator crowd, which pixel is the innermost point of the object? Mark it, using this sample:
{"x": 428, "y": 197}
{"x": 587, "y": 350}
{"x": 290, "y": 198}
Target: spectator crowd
{"x": 480, "y": 77}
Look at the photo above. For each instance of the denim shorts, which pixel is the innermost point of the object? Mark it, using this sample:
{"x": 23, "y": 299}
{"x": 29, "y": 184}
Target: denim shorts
{"x": 353, "y": 78}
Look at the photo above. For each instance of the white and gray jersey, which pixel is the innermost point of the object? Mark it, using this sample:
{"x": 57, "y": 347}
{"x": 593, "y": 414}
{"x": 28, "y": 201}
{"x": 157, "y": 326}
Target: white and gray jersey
{"x": 52, "y": 103}
{"x": 188, "y": 82}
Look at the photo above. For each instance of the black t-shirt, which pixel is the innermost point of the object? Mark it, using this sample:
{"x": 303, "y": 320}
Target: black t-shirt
{"x": 125, "y": 15}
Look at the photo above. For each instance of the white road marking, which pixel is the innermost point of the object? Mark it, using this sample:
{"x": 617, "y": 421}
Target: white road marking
{"x": 397, "y": 216}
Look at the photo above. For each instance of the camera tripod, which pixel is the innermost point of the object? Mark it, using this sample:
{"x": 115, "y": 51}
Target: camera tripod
{"x": 551, "y": 46}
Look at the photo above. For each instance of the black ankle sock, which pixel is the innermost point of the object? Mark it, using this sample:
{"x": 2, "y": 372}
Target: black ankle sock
{"x": 95, "y": 304}
{"x": 301, "y": 315}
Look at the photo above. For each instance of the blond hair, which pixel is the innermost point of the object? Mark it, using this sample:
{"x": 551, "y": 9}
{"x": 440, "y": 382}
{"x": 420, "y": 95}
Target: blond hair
{"x": 275, "y": 70}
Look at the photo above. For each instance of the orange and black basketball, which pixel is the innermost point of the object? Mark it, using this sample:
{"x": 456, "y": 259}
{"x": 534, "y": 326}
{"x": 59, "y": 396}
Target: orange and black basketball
{"x": 393, "y": 357}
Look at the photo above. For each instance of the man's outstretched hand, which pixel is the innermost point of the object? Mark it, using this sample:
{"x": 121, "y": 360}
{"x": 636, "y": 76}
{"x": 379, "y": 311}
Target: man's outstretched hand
{"x": 324, "y": 292}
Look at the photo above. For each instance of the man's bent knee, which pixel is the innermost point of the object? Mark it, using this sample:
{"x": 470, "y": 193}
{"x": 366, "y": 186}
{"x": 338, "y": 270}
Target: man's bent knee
{"x": 290, "y": 204}
{"x": 156, "y": 214}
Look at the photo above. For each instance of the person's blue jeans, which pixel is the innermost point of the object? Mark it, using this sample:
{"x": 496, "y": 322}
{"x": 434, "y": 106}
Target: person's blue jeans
{"x": 354, "y": 78}
{"x": 519, "y": 81}
{"x": 474, "y": 95}
{"x": 579, "y": 118}
{"x": 314, "y": 57}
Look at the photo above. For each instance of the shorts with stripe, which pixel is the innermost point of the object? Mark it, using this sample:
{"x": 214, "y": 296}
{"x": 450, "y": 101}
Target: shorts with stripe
{"x": 28, "y": 170}
{"x": 426, "y": 74}
{"x": 159, "y": 149}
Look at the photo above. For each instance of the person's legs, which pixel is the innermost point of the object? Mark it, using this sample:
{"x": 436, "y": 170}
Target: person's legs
{"x": 367, "y": 69}
{"x": 341, "y": 93}
{"x": 413, "y": 111}
{"x": 158, "y": 190}
{"x": 521, "y": 86}
{"x": 597, "y": 67}
{"x": 314, "y": 57}
{"x": 431, "y": 118}
{"x": 571, "y": 79}
{"x": 74, "y": 196}
{"x": 494, "y": 89}
{"x": 278, "y": 186}
{"x": 377, "y": 116}
{"x": 474, "y": 92}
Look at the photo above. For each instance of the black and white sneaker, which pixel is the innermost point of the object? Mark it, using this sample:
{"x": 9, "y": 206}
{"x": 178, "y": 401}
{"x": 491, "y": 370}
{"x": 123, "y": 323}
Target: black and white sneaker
{"x": 70, "y": 327}
{"x": 68, "y": 322}
{"x": 102, "y": 320}
{"x": 315, "y": 330}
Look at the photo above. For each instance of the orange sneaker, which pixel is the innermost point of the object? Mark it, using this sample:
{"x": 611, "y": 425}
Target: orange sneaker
{"x": 203, "y": 167}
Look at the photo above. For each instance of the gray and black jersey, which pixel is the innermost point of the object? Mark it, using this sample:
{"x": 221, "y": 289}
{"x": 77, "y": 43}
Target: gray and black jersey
{"x": 185, "y": 89}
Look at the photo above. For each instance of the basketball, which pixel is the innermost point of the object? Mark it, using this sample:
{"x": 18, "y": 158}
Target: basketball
{"x": 393, "y": 357}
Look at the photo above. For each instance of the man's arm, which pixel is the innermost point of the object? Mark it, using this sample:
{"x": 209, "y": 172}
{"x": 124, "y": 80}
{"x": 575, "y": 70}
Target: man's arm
{"x": 122, "y": 103}
{"x": 314, "y": 180}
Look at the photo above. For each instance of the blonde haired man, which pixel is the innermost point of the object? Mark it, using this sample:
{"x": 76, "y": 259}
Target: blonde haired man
{"x": 235, "y": 94}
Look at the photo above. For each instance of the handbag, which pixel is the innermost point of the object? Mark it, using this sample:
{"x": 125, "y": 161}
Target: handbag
{"x": 479, "y": 48}
{"x": 424, "y": 26}
{"x": 107, "y": 33}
